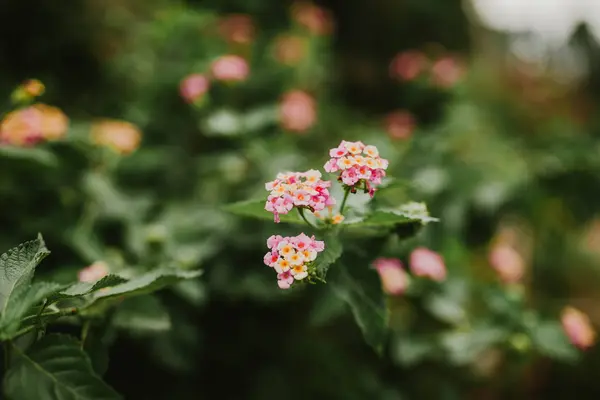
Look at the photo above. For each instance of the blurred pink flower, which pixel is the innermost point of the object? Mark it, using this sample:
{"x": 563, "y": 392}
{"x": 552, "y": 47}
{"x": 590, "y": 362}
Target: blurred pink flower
{"x": 120, "y": 136}
{"x": 290, "y": 49}
{"x": 393, "y": 277}
{"x": 447, "y": 71}
{"x": 193, "y": 87}
{"x": 27, "y": 126}
{"x": 297, "y": 111}
{"x": 237, "y": 28}
{"x": 427, "y": 263}
{"x": 578, "y": 328}
{"x": 317, "y": 20}
{"x": 230, "y": 68}
{"x": 400, "y": 124}
{"x": 94, "y": 272}
{"x": 507, "y": 262}
{"x": 408, "y": 65}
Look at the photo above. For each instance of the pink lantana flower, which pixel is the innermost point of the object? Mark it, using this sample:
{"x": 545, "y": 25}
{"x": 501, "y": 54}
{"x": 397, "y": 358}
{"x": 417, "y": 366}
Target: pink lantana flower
{"x": 427, "y": 263}
{"x": 94, "y": 272}
{"x": 297, "y": 111}
{"x": 408, "y": 65}
{"x": 292, "y": 257}
{"x": 507, "y": 262}
{"x": 400, "y": 124}
{"x": 297, "y": 189}
{"x": 193, "y": 87}
{"x": 315, "y": 19}
{"x": 358, "y": 165}
{"x": 578, "y": 328}
{"x": 394, "y": 278}
{"x": 230, "y": 68}
{"x": 447, "y": 71}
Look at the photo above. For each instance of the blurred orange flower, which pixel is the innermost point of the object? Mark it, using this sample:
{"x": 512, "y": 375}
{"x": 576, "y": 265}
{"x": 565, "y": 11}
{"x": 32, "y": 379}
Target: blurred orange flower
{"x": 120, "y": 136}
{"x": 27, "y": 126}
{"x": 290, "y": 49}
{"x": 237, "y": 28}
{"x": 317, "y": 20}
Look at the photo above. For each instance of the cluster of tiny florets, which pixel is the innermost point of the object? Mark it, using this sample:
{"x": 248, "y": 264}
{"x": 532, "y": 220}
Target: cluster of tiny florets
{"x": 298, "y": 189}
{"x": 292, "y": 257}
{"x": 359, "y": 164}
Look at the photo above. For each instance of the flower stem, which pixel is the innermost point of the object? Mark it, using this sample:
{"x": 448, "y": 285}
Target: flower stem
{"x": 344, "y": 201}
{"x": 301, "y": 212}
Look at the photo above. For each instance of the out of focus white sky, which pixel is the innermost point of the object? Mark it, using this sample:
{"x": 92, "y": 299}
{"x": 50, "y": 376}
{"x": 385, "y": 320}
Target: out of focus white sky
{"x": 542, "y": 28}
{"x": 553, "y": 20}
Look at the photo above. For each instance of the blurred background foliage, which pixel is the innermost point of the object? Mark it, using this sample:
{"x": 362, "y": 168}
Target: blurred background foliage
{"x": 502, "y": 149}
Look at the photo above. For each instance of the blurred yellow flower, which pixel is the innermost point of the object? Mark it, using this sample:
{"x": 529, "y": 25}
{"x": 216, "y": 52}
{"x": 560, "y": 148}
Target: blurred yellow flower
{"x": 33, "y": 87}
{"x": 121, "y": 136}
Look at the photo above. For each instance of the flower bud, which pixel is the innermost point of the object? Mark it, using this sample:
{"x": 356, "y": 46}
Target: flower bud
{"x": 393, "y": 277}
{"x": 427, "y": 263}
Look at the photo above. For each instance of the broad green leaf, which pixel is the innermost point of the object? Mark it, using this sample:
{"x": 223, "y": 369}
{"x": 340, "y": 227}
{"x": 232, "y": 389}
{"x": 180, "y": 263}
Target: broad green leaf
{"x": 332, "y": 252}
{"x": 550, "y": 340}
{"x": 36, "y": 154}
{"x": 256, "y": 209}
{"x": 142, "y": 314}
{"x": 21, "y": 300}
{"x": 17, "y": 267}
{"x": 83, "y": 288}
{"x": 55, "y": 368}
{"x": 96, "y": 344}
{"x": 361, "y": 290}
{"x": 464, "y": 347}
{"x": 405, "y": 214}
{"x": 410, "y": 350}
{"x": 144, "y": 284}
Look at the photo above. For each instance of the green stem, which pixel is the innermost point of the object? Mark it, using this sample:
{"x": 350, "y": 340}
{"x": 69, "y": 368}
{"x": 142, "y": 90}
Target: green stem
{"x": 344, "y": 201}
{"x": 301, "y": 212}
{"x": 85, "y": 329}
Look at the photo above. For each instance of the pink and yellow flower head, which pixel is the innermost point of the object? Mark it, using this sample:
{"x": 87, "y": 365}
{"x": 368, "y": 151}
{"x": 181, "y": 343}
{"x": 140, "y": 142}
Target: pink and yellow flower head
{"x": 427, "y": 263}
{"x": 358, "y": 164}
{"x": 507, "y": 262}
{"x": 394, "y": 278}
{"x": 120, "y": 136}
{"x": 578, "y": 328}
{"x": 297, "y": 111}
{"x": 33, "y": 124}
{"x": 230, "y": 68}
{"x": 193, "y": 87}
{"x": 298, "y": 189}
{"x": 292, "y": 257}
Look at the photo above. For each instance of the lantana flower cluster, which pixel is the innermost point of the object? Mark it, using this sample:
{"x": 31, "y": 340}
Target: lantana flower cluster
{"x": 298, "y": 189}
{"x": 292, "y": 257}
{"x": 359, "y": 165}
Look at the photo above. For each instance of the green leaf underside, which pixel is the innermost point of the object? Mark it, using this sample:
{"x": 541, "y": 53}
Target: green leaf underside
{"x": 332, "y": 252}
{"x": 367, "y": 306}
{"x": 22, "y": 299}
{"x": 17, "y": 267}
{"x": 144, "y": 284}
{"x": 55, "y": 368}
{"x": 83, "y": 288}
{"x": 256, "y": 209}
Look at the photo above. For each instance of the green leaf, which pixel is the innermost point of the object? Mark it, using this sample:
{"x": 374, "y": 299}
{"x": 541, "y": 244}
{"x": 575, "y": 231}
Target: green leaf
{"x": 36, "y": 154}
{"x": 256, "y": 209}
{"x": 21, "y": 300}
{"x": 410, "y": 350}
{"x": 550, "y": 340}
{"x": 405, "y": 214}
{"x": 82, "y": 288}
{"x": 144, "y": 284}
{"x": 55, "y": 368}
{"x": 17, "y": 267}
{"x": 362, "y": 292}
{"x": 96, "y": 344}
{"x": 142, "y": 314}
{"x": 332, "y": 252}
{"x": 464, "y": 347}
